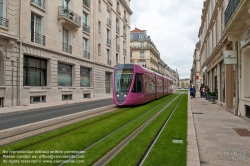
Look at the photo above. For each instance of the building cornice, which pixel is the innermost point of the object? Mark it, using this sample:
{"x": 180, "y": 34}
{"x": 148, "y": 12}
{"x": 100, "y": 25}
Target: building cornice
{"x": 125, "y": 5}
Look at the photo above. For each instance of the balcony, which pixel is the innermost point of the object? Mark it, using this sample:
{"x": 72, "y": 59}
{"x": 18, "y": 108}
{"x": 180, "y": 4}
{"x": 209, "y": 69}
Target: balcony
{"x": 39, "y": 3}
{"x": 231, "y": 7}
{"x": 68, "y": 17}
{"x": 109, "y": 62}
{"x": 110, "y": 2}
{"x": 4, "y": 22}
{"x": 108, "y": 42}
{"x": 140, "y": 47}
{"x": 86, "y": 3}
{"x": 86, "y": 54}
{"x": 67, "y": 48}
{"x": 117, "y": 47}
{"x": 37, "y": 38}
{"x": 85, "y": 28}
{"x": 108, "y": 22}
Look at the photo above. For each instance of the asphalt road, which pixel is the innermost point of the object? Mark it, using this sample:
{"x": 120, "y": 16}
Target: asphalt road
{"x": 21, "y": 118}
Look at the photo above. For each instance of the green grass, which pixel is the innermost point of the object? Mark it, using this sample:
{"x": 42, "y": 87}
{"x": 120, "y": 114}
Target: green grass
{"x": 165, "y": 152}
{"x": 132, "y": 153}
{"x": 84, "y": 133}
{"x": 96, "y": 152}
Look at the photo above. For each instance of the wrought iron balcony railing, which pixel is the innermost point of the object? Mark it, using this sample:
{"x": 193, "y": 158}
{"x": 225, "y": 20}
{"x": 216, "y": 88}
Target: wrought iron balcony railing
{"x": 108, "y": 22}
{"x": 37, "y": 38}
{"x": 117, "y": 47}
{"x": 66, "y": 48}
{"x": 66, "y": 12}
{"x": 85, "y": 28}
{"x": 86, "y": 54}
{"x": 110, "y": 2}
{"x": 40, "y": 3}
{"x": 231, "y": 7}
{"x": 86, "y": 3}
{"x": 4, "y": 22}
{"x": 109, "y": 62}
{"x": 108, "y": 42}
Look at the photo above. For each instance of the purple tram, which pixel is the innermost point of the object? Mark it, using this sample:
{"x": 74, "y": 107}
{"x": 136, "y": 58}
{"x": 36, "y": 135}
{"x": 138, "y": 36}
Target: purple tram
{"x": 134, "y": 85}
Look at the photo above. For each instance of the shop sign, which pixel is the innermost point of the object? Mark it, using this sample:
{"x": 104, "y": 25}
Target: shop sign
{"x": 64, "y": 67}
{"x": 245, "y": 38}
{"x": 197, "y": 77}
{"x": 230, "y": 57}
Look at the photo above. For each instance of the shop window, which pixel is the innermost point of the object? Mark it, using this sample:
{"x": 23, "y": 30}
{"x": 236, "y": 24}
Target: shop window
{"x": 248, "y": 111}
{"x": 34, "y": 71}
{"x": 1, "y": 102}
{"x": 67, "y": 97}
{"x": 64, "y": 75}
{"x": 37, "y": 99}
{"x": 85, "y": 77}
{"x": 86, "y": 95}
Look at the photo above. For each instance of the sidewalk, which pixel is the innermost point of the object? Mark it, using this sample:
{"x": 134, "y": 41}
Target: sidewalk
{"x": 12, "y": 109}
{"x": 214, "y": 135}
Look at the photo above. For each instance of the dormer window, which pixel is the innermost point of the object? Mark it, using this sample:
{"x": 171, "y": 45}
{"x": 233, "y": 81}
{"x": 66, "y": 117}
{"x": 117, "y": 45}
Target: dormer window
{"x": 141, "y": 36}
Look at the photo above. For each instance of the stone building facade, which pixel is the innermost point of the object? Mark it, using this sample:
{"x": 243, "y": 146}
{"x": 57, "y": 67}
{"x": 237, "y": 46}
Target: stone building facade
{"x": 61, "y": 49}
{"x": 225, "y": 53}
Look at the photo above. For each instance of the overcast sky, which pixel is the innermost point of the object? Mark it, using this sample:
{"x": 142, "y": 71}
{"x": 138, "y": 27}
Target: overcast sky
{"x": 173, "y": 26}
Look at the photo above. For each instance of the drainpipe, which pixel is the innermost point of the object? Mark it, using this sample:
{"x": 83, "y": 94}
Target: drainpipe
{"x": 94, "y": 15}
{"x": 237, "y": 80}
{"x": 20, "y": 51}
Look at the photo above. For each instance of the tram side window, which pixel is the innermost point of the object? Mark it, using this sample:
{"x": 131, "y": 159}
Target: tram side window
{"x": 137, "y": 88}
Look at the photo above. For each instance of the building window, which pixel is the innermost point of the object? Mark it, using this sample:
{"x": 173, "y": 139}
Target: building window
{"x": 99, "y": 26}
{"x": 142, "y": 44}
{"x": 99, "y": 5}
{"x": 3, "y": 21}
{"x": 85, "y": 22}
{"x": 108, "y": 18}
{"x": 141, "y": 54}
{"x": 107, "y": 82}
{"x": 108, "y": 57}
{"x": 67, "y": 97}
{"x": 86, "y": 95}
{"x": 117, "y": 59}
{"x": 141, "y": 36}
{"x": 108, "y": 37}
{"x": 85, "y": 48}
{"x": 64, "y": 75}
{"x": 34, "y": 71}
{"x": 39, "y": 3}
{"x": 66, "y": 47}
{"x": 124, "y": 60}
{"x": 99, "y": 48}
{"x": 37, "y": 99}
{"x": 222, "y": 81}
{"x": 131, "y": 36}
{"x": 85, "y": 77}
{"x": 36, "y": 29}
{"x": 117, "y": 26}
{"x": 1, "y": 102}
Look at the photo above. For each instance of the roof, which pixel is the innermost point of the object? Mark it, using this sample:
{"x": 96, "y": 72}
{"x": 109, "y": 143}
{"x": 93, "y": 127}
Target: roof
{"x": 137, "y": 30}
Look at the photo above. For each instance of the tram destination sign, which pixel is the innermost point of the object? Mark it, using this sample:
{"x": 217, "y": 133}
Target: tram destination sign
{"x": 230, "y": 57}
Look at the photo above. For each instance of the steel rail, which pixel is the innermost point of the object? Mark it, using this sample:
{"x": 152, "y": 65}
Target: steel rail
{"x": 145, "y": 155}
{"x": 84, "y": 150}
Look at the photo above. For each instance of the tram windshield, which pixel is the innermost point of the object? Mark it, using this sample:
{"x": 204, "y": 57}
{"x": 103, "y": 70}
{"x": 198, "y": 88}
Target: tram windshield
{"x": 123, "y": 79}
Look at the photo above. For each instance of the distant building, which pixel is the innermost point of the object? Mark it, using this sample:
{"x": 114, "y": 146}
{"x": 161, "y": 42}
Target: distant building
{"x": 184, "y": 83}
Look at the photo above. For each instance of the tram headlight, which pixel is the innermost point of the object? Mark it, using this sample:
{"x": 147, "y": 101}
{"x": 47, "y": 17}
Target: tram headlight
{"x": 117, "y": 95}
{"x": 125, "y": 95}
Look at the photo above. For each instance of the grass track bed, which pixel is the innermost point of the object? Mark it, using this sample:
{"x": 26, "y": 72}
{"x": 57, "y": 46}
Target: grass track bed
{"x": 131, "y": 154}
{"x": 85, "y": 133}
{"x": 165, "y": 152}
